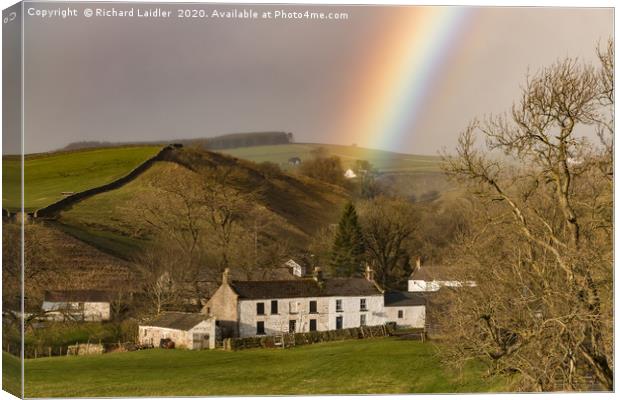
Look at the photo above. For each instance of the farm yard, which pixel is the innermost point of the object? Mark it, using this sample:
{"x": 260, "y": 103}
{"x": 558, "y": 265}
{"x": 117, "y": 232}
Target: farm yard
{"x": 386, "y": 365}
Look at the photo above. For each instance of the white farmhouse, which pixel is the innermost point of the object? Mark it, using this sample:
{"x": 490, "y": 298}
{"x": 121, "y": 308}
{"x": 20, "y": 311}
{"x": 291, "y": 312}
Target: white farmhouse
{"x": 192, "y": 331}
{"x": 77, "y": 305}
{"x": 254, "y": 308}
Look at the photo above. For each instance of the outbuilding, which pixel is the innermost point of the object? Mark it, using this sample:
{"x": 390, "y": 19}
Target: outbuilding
{"x": 192, "y": 331}
{"x": 407, "y": 310}
{"x": 77, "y": 305}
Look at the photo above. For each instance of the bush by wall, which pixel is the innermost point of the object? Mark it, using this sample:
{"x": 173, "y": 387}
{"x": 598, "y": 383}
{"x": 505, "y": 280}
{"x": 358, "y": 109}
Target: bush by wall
{"x": 302, "y": 338}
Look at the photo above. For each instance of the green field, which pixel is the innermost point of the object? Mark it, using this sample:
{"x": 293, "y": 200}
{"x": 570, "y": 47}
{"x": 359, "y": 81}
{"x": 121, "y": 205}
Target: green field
{"x": 46, "y": 176}
{"x": 11, "y": 374}
{"x": 356, "y": 366}
{"x": 384, "y": 161}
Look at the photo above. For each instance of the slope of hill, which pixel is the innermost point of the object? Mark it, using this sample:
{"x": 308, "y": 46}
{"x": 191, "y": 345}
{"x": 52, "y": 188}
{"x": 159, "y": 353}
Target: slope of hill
{"x": 384, "y": 161}
{"x": 48, "y": 176}
{"x": 60, "y": 261}
{"x": 297, "y": 206}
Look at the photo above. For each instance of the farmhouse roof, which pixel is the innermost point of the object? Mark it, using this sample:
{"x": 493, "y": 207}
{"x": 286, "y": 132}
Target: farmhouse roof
{"x": 177, "y": 320}
{"x": 305, "y": 288}
{"x": 93, "y": 296}
{"x": 430, "y": 273}
{"x": 403, "y": 299}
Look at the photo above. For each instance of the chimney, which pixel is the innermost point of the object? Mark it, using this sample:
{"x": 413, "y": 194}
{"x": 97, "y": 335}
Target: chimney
{"x": 369, "y": 273}
{"x": 318, "y": 274}
{"x": 226, "y": 277}
{"x": 418, "y": 263}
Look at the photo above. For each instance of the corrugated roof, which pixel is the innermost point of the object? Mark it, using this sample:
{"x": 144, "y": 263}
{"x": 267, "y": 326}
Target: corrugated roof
{"x": 86, "y": 296}
{"x": 403, "y": 299}
{"x": 304, "y": 288}
{"x": 177, "y": 320}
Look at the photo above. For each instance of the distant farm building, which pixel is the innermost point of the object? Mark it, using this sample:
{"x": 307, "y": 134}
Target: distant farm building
{"x": 349, "y": 174}
{"x": 294, "y": 161}
{"x": 77, "y": 305}
{"x": 295, "y": 268}
{"x": 192, "y": 331}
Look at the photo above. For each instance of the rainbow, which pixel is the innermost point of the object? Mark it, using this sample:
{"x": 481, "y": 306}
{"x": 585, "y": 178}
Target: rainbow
{"x": 397, "y": 78}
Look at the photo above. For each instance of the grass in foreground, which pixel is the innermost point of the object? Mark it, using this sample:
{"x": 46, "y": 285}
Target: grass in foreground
{"x": 11, "y": 374}
{"x": 357, "y": 366}
{"x": 47, "y": 176}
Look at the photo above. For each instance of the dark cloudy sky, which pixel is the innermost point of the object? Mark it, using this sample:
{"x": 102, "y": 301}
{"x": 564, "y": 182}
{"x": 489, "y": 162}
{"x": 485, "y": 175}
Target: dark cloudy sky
{"x": 130, "y": 79}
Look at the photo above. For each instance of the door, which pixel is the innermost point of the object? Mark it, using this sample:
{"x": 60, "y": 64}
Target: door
{"x": 292, "y": 324}
{"x": 338, "y": 322}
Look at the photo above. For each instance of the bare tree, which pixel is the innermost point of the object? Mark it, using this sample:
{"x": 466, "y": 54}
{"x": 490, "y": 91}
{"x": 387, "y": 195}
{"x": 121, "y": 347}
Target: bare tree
{"x": 540, "y": 244}
{"x": 160, "y": 281}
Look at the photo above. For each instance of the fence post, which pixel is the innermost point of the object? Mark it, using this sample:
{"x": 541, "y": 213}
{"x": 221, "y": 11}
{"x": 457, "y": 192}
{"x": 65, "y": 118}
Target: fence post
{"x": 35, "y": 352}
{"x": 49, "y": 351}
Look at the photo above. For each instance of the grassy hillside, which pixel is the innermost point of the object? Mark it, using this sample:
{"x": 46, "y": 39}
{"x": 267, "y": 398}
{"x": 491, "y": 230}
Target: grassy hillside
{"x": 385, "y": 161}
{"x": 46, "y": 176}
{"x": 111, "y": 220}
{"x": 370, "y": 366}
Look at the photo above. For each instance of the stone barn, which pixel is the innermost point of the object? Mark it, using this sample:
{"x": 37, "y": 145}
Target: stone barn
{"x": 192, "y": 331}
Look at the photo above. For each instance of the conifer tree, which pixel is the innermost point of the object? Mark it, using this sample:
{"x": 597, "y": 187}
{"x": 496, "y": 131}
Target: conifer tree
{"x": 348, "y": 249}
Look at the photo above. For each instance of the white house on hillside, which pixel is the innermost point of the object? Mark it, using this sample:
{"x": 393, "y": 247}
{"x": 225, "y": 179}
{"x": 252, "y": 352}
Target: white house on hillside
{"x": 254, "y": 308}
{"x": 350, "y": 174}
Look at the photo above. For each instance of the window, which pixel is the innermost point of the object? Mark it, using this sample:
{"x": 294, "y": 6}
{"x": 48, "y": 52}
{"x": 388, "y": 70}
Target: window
{"x": 260, "y": 308}
{"x": 260, "y": 328}
{"x": 312, "y": 325}
{"x": 274, "y": 306}
{"x": 292, "y": 324}
{"x": 339, "y": 305}
{"x": 363, "y": 320}
{"x": 363, "y": 305}
{"x": 312, "y": 306}
{"x": 400, "y": 313}
{"x": 338, "y": 322}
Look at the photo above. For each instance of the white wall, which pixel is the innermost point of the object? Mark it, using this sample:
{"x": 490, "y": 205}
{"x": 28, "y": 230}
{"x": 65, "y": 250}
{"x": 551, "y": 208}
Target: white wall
{"x": 88, "y": 311}
{"x": 299, "y": 310}
{"x": 413, "y": 316}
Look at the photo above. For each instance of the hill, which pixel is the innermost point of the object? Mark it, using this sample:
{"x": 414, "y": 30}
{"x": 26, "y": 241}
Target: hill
{"x": 296, "y": 206}
{"x": 226, "y": 141}
{"x": 384, "y": 161}
{"x": 371, "y": 366}
{"x": 48, "y": 175}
